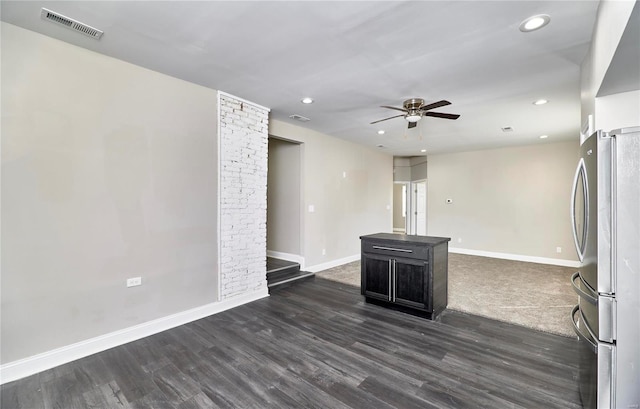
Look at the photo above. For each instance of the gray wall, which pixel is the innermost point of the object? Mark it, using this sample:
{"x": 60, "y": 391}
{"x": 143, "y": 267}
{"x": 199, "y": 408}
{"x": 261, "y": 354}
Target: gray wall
{"x": 511, "y": 200}
{"x": 283, "y": 197}
{"x": 350, "y": 187}
{"x": 109, "y": 171}
{"x": 419, "y": 168}
{"x": 611, "y": 21}
{"x": 408, "y": 169}
{"x": 401, "y": 169}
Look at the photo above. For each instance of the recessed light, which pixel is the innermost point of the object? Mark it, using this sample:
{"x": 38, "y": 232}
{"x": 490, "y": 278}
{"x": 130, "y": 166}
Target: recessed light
{"x": 307, "y": 100}
{"x": 507, "y": 129}
{"x": 534, "y": 23}
{"x": 544, "y": 136}
{"x": 540, "y": 102}
{"x": 381, "y": 132}
{"x": 380, "y": 146}
{"x": 423, "y": 150}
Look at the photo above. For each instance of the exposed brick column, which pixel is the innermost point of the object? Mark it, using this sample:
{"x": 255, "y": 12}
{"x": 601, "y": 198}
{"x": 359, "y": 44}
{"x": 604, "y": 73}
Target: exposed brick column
{"x": 243, "y": 196}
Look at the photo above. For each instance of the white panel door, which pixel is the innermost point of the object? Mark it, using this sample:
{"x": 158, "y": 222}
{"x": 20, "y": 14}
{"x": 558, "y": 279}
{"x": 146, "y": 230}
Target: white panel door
{"x": 420, "y": 208}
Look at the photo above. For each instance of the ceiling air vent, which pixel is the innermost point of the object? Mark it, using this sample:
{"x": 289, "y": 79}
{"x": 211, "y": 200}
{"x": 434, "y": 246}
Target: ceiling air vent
{"x": 299, "y": 118}
{"x": 70, "y": 23}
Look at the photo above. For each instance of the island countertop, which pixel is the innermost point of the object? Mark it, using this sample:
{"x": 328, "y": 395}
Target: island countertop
{"x": 407, "y": 238}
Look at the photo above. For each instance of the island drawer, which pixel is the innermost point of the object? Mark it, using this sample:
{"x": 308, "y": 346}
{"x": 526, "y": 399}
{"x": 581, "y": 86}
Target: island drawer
{"x": 396, "y": 249}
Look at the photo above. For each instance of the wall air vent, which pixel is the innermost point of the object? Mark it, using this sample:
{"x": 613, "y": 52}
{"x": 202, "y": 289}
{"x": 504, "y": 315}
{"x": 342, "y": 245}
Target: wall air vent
{"x": 70, "y": 23}
{"x": 299, "y": 118}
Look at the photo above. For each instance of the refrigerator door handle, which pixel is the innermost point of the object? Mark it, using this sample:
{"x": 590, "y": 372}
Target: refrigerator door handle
{"x": 580, "y": 242}
{"x": 591, "y": 296}
{"x": 583, "y": 337}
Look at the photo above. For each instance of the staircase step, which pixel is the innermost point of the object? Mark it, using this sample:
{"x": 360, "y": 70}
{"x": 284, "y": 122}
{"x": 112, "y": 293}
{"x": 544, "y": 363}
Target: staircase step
{"x": 288, "y": 279}
{"x": 275, "y": 264}
{"x": 280, "y": 272}
{"x": 284, "y": 272}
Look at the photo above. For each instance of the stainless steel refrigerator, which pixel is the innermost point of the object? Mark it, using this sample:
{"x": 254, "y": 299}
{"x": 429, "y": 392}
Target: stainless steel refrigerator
{"x": 606, "y": 224}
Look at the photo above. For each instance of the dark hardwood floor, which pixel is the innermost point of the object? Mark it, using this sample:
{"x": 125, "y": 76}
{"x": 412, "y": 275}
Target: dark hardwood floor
{"x": 316, "y": 344}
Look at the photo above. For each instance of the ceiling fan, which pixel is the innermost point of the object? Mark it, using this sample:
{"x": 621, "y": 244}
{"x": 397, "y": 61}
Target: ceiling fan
{"x": 414, "y": 109}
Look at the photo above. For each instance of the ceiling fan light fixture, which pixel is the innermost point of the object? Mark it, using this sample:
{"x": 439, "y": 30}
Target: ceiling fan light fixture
{"x": 534, "y": 23}
{"x": 412, "y": 117}
{"x": 413, "y": 109}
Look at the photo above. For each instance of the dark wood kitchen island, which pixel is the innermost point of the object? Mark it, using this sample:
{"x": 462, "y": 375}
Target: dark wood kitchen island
{"x": 405, "y": 272}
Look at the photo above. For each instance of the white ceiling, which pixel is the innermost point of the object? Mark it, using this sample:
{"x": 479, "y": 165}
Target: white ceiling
{"x": 352, "y": 57}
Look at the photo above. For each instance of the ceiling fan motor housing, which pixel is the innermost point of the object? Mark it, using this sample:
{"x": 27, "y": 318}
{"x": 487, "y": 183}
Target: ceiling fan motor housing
{"x": 413, "y": 107}
{"x": 413, "y": 104}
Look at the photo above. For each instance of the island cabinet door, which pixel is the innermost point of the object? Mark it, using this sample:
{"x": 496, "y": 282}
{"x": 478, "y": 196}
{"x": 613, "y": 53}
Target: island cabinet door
{"x": 376, "y": 276}
{"x": 411, "y": 283}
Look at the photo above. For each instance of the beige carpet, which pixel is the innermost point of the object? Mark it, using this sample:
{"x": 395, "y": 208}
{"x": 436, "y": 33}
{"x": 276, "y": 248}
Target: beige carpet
{"x": 537, "y": 296}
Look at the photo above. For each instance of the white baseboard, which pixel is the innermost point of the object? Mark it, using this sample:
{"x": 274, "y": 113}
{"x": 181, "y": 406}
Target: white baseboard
{"x": 517, "y": 257}
{"x": 37, "y": 363}
{"x": 287, "y": 256}
{"x": 333, "y": 263}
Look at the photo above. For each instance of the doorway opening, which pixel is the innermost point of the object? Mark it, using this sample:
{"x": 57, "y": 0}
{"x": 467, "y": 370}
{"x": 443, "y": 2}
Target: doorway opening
{"x": 410, "y": 195}
{"x": 410, "y": 207}
{"x": 400, "y": 207}
{"x": 284, "y": 212}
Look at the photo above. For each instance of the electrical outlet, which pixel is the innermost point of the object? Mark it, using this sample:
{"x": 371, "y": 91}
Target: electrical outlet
{"x": 324, "y": 252}
{"x": 558, "y": 249}
{"x": 135, "y": 281}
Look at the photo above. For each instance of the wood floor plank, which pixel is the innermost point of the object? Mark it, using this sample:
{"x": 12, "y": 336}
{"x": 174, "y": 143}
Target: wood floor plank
{"x": 355, "y": 397}
{"x": 220, "y": 388}
{"x": 301, "y": 392}
{"x": 395, "y": 395}
{"x": 445, "y": 394}
{"x": 155, "y": 399}
{"x": 317, "y": 344}
{"x": 174, "y": 384}
{"x": 199, "y": 401}
{"x": 106, "y": 396}
{"x": 63, "y": 392}
{"x": 25, "y": 394}
{"x": 91, "y": 371}
{"x": 135, "y": 383}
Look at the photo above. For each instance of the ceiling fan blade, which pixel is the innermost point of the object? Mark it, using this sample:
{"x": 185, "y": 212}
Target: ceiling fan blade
{"x": 391, "y": 117}
{"x": 435, "y": 105}
{"x": 412, "y": 125}
{"x": 442, "y": 115}
{"x": 397, "y": 109}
